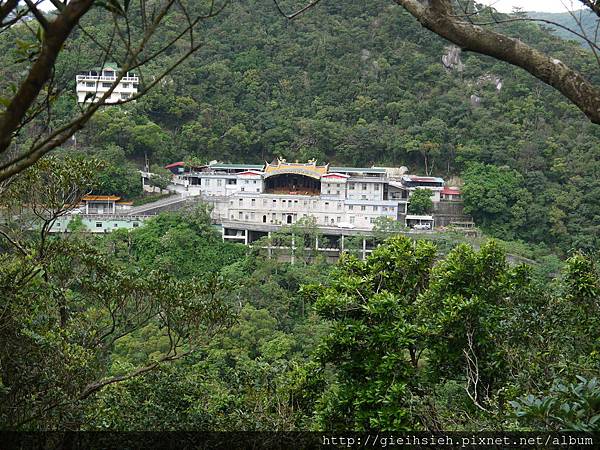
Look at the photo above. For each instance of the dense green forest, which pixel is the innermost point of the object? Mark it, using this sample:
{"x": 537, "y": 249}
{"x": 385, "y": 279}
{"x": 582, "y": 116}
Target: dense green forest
{"x": 359, "y": 83}
{"x": 167, "y": 327}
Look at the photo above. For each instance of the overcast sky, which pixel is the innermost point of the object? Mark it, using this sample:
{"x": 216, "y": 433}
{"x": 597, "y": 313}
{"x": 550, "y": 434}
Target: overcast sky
{"x": 533, "y": 5}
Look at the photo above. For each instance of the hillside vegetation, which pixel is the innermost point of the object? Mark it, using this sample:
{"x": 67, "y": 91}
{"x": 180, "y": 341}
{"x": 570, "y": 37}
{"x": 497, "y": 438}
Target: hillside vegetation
{"x": 167, "y": 327}
{"x": 361, "y": 83}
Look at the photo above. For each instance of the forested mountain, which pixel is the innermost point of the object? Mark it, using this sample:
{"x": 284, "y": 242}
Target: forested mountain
{"x": 361, "y": 83}
{"x": 167, "y": 327}
{"x": 581, "y": 21}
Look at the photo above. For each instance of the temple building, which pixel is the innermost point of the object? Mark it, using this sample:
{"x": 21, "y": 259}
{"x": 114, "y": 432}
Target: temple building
{"x": 282, "y": 193}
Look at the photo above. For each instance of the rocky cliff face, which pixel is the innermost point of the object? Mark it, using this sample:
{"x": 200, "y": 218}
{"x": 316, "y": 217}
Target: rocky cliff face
{"x": 451, "y": 59}
{"x": 452, "y": 62}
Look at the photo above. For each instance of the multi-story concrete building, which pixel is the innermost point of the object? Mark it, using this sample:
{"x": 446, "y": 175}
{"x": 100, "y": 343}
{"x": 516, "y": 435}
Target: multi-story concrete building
{"x": 282, "y": 193}
{"x": 94, "y": 83}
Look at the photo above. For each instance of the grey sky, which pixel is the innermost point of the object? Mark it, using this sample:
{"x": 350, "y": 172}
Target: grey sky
{"x": 533, "y": 5}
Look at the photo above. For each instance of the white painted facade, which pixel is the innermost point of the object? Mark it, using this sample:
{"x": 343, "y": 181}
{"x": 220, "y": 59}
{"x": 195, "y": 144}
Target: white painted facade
{"x": 283, "y": 193}
{"x": 93, "y": 84}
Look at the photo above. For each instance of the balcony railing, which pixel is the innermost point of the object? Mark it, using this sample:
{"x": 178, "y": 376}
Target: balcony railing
{"x": 103, "y": 78}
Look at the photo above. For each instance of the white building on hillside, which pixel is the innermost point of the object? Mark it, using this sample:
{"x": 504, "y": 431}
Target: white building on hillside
{"x": 282, "y": 193}
{"x": 94, "y": 83}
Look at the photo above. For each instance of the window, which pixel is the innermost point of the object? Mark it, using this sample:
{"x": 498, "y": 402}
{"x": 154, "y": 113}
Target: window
{"x": 231, "y": 181}
{"x": 376, "y": 187}
{"x": 219, "y": 182}
{"x": 364, "y": 186}
{"x": 106, "y": 85}
{"x": 135, "y": 224}
{"x": 109, "y": 73}
{"x": 351, "y": 219}
{"x": 125, "y": 85}
{"x": 350, "y": 207}
{"x": 125, "y": 96}
{"x": 375, "y": 208}
{"x": 253, "y": 202}
{"x": 264, "y": 202}
{"x": 328, "y": 191}
{"x": 326, "y": 219}
{"x": 364, "y": 197}
{"x": 98, "y": 224}
{"x": 207, "y": 182}
{"x": 242, "y": 189}
{"x": 338, "y": 219}
{"x": 337, "y": 192}
{"x": 339, "y": 205}
{"x": 372, "y": 220}
{"x": 252, "y": 215}
{"x": 135, "y": 85}
{"x": 240, "y": 215}
{"x": 241, "y": 200}
{"x": 363, "y": 208}
{"x": 90, "y": 84}
{"x": 351, "y": 186}
{"x": 115, "y": 225}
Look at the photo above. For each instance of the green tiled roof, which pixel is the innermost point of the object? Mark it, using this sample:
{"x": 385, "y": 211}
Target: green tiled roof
{"x": 238, "y": 166}
{"x": 357, "y": 169}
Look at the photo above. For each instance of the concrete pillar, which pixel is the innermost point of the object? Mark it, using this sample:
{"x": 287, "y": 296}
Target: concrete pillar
{"x": 364, "y": 252}
{"x": 293, "y": 259}
{"x": 245, "y": 237}
{"x": 223, "y": 233}
{"x": 342, "y": 244}
{"x": 270, "y": 247}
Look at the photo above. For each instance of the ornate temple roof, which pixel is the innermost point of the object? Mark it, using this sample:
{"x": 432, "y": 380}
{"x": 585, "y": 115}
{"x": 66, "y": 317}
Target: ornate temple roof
{"x": 309, "y": 169}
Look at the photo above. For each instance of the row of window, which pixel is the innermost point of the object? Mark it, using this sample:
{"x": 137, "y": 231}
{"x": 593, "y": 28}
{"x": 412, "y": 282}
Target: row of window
{"x": 115, "y": 225}
{"x": 289, "y": 218}
{"x": 106, "y": 85}
{"x": 230, "y": 181}
{"x": 364, "y": 186}
{"x": 288, "y": 203}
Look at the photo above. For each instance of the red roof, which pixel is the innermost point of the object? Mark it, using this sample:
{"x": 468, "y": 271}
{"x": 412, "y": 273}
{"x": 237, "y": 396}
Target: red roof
{"x": 450, "y": 191}
{"x": 250, "y": 172}
{"x": 336, "y": 175}
{"x": 175, "y": 164}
